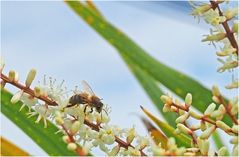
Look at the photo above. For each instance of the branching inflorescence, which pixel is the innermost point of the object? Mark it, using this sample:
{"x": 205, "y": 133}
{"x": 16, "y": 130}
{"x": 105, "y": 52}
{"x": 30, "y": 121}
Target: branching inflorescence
{"x": 222, "y": 33}
{"x": 83, "y": 130}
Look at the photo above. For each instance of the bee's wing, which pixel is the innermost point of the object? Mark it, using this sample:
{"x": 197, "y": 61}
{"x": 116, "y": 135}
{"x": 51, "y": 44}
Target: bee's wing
{"x": 87, "y": 88}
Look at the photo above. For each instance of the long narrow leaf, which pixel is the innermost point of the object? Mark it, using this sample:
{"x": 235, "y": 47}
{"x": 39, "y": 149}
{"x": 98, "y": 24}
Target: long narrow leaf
{"x": 176, "y": 81}
{"x": 46, "y": 138}
{"x": 181, "y": 85}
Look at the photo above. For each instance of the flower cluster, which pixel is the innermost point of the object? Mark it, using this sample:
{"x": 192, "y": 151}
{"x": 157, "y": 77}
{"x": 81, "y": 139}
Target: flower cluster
{"x": 84, "y": 127}
{"x": 222, "y": 33}
{"x": 209, "y": 121}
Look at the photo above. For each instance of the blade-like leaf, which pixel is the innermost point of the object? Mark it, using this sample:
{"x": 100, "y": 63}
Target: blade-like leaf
{"x": 46, "y": 138}
{"x": 152, "y": 89}
{"x": 10, "y": 149}
{"x": 177, "y": 82}
{"x": 181, "y": 85}
{"x": 157, "y": 135}
{"x": 182, "y": 140}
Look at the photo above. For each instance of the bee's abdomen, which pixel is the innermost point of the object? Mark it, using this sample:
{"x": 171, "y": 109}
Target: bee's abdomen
{"x": 75, "y": 99}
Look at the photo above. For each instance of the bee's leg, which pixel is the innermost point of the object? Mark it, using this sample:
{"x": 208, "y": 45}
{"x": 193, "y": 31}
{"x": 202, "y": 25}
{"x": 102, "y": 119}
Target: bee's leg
{"x": 85, "y": 108}
{"x": 91, "y": 110}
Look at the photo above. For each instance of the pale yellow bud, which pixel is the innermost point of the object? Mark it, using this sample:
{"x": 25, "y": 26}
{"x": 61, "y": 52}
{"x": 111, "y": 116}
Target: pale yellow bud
{"x": 177, "y": 131}
{"x": 114, "y": 151}
{"x": 201, "y": 9}
{"x": 194, "y": 114}
{"x": 204, "y": 147}
{"x": 188, "y": 99}
{"x": 182, "y": 118}
{"x": 16, "y": 97}
{"x": 230, "y": 13}
{"x": 184, "y": 129}
{"x": 37, "y": 91}
{"x": 222, "y": 109}
{"x": 75, "y": 127}
{"x": 222, "y": 125}
{"x": 216, "y": 99}
{"x": 215, "y": 37}
{"x": 12, "y": 75}
{"x": 59, "y": 120}
{"x": 216, "y": 91}
{"x": 166, "y": 108}
{"x": 71, "y": 146}
{"x": 166, "y": 99}
{"x": 210, "y": 109}
{"x": 235, "y": 128}
{"x": 131, "y": 135}
{"x": 235, "y": 27}
{"x": 235, "y": 150}
{"x": 207, "y": 132}
{"x": 222, "y": 151}
{"x": 203, "y": 126}
{"x": 30, "y": 77}
{"x": 66, "y": 139}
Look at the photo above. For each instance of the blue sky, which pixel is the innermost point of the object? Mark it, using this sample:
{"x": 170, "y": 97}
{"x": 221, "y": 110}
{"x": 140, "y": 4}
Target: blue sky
{"x": 50, "y": 37}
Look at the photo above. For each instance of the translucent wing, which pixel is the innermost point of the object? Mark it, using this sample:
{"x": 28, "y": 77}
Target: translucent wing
{"x": 87, "y": 88}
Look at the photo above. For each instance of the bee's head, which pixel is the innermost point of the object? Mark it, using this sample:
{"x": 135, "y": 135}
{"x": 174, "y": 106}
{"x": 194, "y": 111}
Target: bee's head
{"x": 99, "y": 106}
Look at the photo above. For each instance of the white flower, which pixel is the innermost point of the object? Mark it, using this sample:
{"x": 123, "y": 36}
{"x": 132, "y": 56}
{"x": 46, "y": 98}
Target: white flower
{"x": 212, "y": 17}
{"x": 28, "y": 101}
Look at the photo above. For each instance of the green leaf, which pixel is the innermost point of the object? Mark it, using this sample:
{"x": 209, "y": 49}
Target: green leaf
{"x": 175, "y": 81}
{"x": 46, "y": 138}
{"x": 182, "y": 140}
{"x": 152, "y": 89}
{"x": 10, "y": 149}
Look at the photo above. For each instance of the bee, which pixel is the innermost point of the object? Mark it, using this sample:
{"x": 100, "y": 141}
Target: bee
{"x": 88, "y": 98}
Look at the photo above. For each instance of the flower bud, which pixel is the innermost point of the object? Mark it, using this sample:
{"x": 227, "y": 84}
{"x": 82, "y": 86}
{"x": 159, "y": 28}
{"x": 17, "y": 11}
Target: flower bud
{"x": 226, "y": 52}
{"x": 223, "y": 126}
{"x": 166, "y": 99}
{"x": 16, "y": 97}
{"x": 210, "y": 109}
{"x": 166, "y": 108}
{"x": 235, "y": 27}
{"x": 235, "y": 150}
{"x": 222, "y": 151}
{"x": 188, "y": 99}
{"x": 216, "y": 114}
{"x": 235, "y": 128}
{"x": 173, "y": 109}
{"x": 71, "y": 146}
{"x": 37, "y": 91}
{"x": 214, "y": 37}
{"x": 13, "y": 76}
{"x": 203, "y": 126}
{"x": 216, "y": 91}
{"x": 30, "y": 77}
{"x": 230, "y": 13}
{"x": 234, "y": 109}
{"x": 182, "y": 118}
{"x": 207, "y": 132}
{"x": 201, "y": 9}
{"x": 222, "y": 109}
{"x": 59, "y": 120}
{"x": 194, "y": 114}
{"x": 131, "y": 135}
{"x": 215, "y": 99}
{"x": 75, "y": 127}
{"x": 66, "y": 139}
{"x": 114, "y": 151}
{"x": 204, "y": 146}
{"x": 184, "y": 129}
